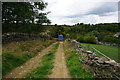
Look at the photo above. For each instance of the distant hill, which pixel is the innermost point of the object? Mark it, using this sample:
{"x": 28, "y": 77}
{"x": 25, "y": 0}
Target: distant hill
{"x": 104, "y": 32}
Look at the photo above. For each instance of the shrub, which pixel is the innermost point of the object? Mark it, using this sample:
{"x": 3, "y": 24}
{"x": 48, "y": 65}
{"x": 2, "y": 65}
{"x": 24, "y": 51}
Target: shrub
{"x": 23, "y": 28}
{"x": 86, "y": 38}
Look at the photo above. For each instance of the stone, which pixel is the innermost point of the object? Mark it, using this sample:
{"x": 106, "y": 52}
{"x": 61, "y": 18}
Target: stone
{"x": 102, "y": 60}
{"x": 118, "y": 64}
{"x": 111, "y": 62}
{"x": 77, "y": 50}
{"x": 106, "y": 65}
{"x": 77, "y": 53}
{"x": 89, "y": 52}
{"x": 96, "y": 58}
{"x": 8, "y": 34}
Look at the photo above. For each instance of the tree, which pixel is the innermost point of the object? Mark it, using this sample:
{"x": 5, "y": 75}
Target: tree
{"x": 42, "y": 18}
{"x": 14, "y": 12}
{"x": 86, "y": 38}
{"x": 24, "y": 12}
{"x": 80, "y": 38}
{"x": 96, "y": 33}
{"x": 92, "y": 39}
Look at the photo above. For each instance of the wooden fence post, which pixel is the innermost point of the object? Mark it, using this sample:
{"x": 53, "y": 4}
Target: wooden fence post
{"x": 88, "y": 47}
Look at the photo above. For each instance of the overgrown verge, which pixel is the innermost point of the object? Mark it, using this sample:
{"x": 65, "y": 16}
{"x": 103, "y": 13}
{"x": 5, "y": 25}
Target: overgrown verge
{"x": 46, "y": 65}
{"x": 15, "y": 54}
{"x": 74, "y": 63}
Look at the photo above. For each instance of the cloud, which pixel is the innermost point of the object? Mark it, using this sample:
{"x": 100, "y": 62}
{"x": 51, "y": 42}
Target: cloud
{"x": 76, "y": 11}
{"x": 111, "y": 17}
{"x": 105, "y": 8}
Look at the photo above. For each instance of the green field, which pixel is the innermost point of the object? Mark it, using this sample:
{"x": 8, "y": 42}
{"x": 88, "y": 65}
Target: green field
{"x": 109, "y": 51}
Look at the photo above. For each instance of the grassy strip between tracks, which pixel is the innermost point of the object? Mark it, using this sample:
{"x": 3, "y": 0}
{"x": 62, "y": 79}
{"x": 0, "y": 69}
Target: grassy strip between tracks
{"x": 46, "y": 67}
{"x": 74, "y": 63}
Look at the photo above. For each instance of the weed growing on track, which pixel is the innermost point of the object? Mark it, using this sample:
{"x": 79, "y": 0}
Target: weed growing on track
{"x": 46, "y": 67}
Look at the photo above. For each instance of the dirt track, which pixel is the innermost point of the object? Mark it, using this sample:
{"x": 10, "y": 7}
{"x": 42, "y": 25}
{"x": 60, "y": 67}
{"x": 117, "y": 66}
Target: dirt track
{"x": 60, "y": 69}
{"x": 34, "y": 62}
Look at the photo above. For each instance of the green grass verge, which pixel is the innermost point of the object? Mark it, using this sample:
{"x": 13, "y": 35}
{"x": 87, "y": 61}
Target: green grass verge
{"x": 46, "y": 67}
{"x": 75, "y": 64}
{"x": 109, "y": 51}
{"x": 75, "y": 67}
{"x": 12, "y": 59}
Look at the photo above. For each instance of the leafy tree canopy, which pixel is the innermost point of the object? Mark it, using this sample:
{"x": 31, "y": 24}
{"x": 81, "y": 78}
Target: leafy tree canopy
{"x": 24, "y": 12}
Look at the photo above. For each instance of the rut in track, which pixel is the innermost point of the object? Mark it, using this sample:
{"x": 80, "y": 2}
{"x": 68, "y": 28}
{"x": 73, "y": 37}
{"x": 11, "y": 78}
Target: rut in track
{"x": 34, "y": 62}
{"x": 60, "y": 69}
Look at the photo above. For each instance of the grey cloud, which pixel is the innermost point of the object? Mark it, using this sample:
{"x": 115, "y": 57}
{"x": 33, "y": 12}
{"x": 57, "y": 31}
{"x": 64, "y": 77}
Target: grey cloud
{"x": 73, "y": 16}
{"x": 99, "y": 12}
{"x": 119, "y": 6}
{"x": 106, "y": 7}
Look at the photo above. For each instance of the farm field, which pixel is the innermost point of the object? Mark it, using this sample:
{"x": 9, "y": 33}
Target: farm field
{"x": 109, "y": 51}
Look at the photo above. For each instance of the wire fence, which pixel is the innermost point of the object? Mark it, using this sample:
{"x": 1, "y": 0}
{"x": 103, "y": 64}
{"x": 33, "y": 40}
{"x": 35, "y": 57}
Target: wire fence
{"x": 97, "y": 52}
{"x": 101, "y": 53}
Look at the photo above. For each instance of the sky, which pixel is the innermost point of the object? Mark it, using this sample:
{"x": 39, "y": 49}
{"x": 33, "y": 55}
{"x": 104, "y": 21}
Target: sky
{"x": 71, "y": 12}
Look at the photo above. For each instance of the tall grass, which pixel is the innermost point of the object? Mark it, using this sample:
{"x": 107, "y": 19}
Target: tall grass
{"x": 16, "y": 54}
{"x": 11, "y": 60}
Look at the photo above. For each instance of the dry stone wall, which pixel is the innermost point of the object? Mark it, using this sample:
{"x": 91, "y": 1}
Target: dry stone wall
{"x": 101, "y": 66}
{"x": 16, "y": 37}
